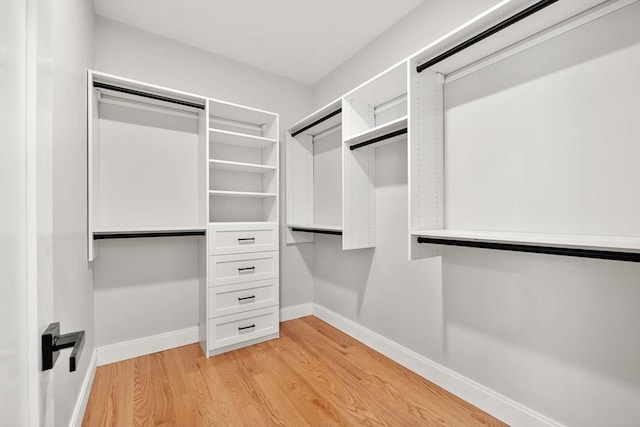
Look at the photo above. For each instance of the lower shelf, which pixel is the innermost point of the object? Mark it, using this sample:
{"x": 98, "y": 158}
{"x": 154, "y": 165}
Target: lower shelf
{"x": 317, "y": 228}
{"x": 618, "y": 248}
{"x": 137, "y": 232}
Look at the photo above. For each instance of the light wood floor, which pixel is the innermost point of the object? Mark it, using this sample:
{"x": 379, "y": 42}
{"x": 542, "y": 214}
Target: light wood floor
{"x": 313, "y": 375}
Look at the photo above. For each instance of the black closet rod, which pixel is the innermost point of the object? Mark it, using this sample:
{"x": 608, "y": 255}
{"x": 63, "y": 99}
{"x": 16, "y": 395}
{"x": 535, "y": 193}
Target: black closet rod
{"x": 378, "y": 139}
{"x": 486, "y": 33}
{"x": 147, "y": 95}
{"x": 142, "y": 235}
{"x": 320, "y": 120}
{"x": 551, "y": 250}
{"x": 312, "y": 230}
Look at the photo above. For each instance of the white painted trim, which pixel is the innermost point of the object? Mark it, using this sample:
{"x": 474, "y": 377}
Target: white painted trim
{"x": 476, "y": 394}
{"x": 296, "y": 311}
{"x": 83, "y": 398}
{"x": 146, "y": 345}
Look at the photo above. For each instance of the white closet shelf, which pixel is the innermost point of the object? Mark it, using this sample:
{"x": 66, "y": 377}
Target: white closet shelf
{"x": 239, "y": 166}
{"x": 147, "y": 229}
{"x": 378, "y": 131}
{"x": 235, "y": 138}
{"x": 573, "y": 241}
{"x": 319, "y": 227}
{"x": 320, "y": 120}
{"x": 245, "y": 223}
{"x": 240, "y": 194}
{"x": 240, "y": 113}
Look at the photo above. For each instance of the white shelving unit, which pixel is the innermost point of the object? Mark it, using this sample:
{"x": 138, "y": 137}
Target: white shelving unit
{"x": 146, "y": 158}
{"x": 375, "y": 114}
{"x": 535, "y": 209}
{"x": 243, "y": 164}
{"x": 314, "y": 187}
{"x": 242, "y": 303}
{"x": 165, "y": 163}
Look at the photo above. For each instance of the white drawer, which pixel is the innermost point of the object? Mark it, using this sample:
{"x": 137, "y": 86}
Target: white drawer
{"x": 239, "y": 297}
{"x": 237, "y": 328}
{"x": 227, "y": 269}
{"x": 235, "y": 238}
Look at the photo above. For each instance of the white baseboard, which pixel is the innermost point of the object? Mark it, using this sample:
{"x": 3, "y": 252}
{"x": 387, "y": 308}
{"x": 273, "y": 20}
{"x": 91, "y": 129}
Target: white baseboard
{"x": 295, "y": 311}
{"x": 476, "y": 394}
{"x": 147, "y": 345}
{"x": 81, "y": 404}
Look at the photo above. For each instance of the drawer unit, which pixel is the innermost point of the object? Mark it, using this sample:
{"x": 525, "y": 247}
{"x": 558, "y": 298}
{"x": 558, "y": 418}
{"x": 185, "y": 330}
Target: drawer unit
{"x": 235, "y": 238}
{"x": 239, "y": 297}
{"x": 236, "y": 268}
{"x": 237, "y": 328}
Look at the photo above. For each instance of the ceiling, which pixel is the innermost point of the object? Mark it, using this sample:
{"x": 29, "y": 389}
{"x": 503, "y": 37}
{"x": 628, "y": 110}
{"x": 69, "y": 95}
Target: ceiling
{"x": 303, "y": 40}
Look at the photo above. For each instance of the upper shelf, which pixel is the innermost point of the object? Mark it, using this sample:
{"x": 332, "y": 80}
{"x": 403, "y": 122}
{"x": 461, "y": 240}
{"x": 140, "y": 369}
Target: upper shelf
{"x": 240, "y": 113}
{"x": 549, "y": 20}
{"x": 235, "y": 138}
{"x": 574, "y": 241}
{"x": 379, "y": 132}
{"x": 319, "y": 121}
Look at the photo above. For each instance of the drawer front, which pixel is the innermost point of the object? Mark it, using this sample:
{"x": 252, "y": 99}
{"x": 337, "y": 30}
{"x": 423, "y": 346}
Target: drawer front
{"x": 237, "y": 268}
{"x": 239, "y": 297}
{"x": 242, "y": 238}
{"x": 237, "y": 328}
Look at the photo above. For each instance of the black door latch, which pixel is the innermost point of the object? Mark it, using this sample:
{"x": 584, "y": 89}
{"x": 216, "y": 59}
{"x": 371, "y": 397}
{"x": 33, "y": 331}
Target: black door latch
{"x": 53, "y": 342}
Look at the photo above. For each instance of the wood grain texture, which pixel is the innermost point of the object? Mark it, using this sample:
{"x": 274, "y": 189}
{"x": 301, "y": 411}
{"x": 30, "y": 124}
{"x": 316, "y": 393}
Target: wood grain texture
{"x": 314, "y": 375}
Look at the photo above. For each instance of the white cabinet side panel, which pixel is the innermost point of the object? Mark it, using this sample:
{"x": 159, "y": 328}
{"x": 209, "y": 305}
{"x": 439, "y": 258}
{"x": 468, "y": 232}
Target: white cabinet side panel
{"x": 425, "y": 152}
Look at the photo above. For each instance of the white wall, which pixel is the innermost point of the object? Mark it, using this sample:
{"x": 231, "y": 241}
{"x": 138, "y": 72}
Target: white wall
{"x": 558, "y": 335}
{"x": 15, "y": 350}
{"x": 128, "y": 282}
{"x": 72, "y": 54}
{"x": 421, "y": 26}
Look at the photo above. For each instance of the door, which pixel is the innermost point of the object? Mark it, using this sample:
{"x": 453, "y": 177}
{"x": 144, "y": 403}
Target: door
{"x": 26, "y": 303}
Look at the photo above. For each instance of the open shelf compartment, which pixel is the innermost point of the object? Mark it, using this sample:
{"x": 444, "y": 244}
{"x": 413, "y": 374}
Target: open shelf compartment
{"x": 314, "y": 187}
{"x": 241, "y": 120}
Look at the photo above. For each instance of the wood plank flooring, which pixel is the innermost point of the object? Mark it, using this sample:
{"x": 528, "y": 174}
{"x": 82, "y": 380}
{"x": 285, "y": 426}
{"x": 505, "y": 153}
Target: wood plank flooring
{"x": 314, "y": 375}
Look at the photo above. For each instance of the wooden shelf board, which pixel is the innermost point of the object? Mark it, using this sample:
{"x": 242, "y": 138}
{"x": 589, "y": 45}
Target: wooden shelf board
{"x": 394, "y": 125}
{"x": 240, "y": 167}
{"x": 235, "y": 138}
{"x": 240, "y": 194}
{"x": 575, "y": 241}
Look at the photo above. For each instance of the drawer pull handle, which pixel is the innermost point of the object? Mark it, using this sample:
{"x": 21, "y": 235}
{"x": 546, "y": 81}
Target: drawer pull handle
{"x": 240, "y": 269}
{"x": 246, "y": 239}
{"x": 242, "y": 328}
{"x": 246, "y": 298}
